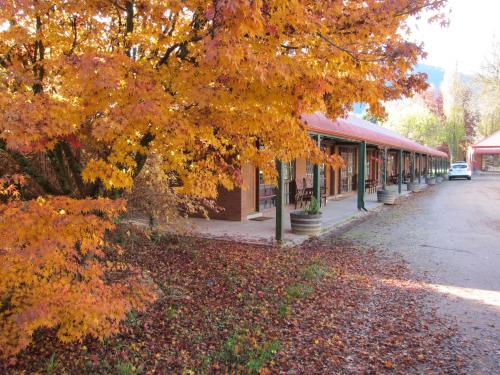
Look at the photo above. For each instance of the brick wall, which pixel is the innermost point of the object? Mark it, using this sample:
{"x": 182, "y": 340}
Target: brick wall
{"x": 248, "y": 191}
{"x": 231, "y": 202}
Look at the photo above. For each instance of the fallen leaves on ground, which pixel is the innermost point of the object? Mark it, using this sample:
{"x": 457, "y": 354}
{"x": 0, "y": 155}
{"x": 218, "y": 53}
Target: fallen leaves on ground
{"x": 225, "y": 307}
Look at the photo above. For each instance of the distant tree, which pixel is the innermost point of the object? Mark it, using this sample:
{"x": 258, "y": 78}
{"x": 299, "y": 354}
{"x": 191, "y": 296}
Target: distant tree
{"x": 420, "y": 118}
{"x": 488, "y": 100}
{"x": 371, "y": 118}
{"x": 461, "y": 114}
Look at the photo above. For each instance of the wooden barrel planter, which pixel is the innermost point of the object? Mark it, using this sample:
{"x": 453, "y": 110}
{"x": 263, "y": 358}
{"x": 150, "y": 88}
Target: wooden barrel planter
{"x": 386, "y": 196}
{"x": 303, "y": 223}
{"x": 413, "y": 186}
{"x": 431, "y": 180}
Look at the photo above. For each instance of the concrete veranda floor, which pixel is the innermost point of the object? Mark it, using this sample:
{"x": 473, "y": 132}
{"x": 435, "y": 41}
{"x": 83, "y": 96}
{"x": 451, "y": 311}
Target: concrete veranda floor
{"x": 337, "y": 212}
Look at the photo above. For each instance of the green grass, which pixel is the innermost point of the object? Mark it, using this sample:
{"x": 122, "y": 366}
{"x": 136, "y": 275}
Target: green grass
{"x": 240, "y": 350}
{"x": 126, "y": 368}
{"x": 131, "y": 318}
{"x": 314, "y": 271}
{"x": 263, "y": 355}
{"x": 171, "y": 312}
{"x": 51, "y": 364}
{"x": 298, "y": 291}
{"x": 284, "y": 310}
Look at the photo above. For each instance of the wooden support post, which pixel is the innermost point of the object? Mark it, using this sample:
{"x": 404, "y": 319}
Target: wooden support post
{"x": 316, "y": 182}
{"x": 400, "y": 172}
{"x": 361, "y": 175}
{"x": 412, "y": 167}
{"x": 280, "y": 200}
{"x": 384, "y": 169}
{"x": 419, "y": 169}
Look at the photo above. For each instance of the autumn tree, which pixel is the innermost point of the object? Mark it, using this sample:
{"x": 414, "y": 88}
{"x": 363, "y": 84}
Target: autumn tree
{"x": 488, "y": 99}
{"x": 420, "y": 118}
{"x": 90, "y": 90}
{"x": 461, "y": 114}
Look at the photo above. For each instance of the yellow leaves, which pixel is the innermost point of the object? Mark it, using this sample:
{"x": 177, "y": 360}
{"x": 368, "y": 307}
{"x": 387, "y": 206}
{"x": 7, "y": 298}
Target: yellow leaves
{"x": 205, "y": 86}
{"x": 388, "y": 364}
{"x": 111, "y": 176}
{"x": 51, "y": 274}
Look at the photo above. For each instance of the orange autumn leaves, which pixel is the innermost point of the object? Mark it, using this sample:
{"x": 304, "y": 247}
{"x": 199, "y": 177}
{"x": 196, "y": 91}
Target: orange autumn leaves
{"x": 207, "y": 81}
{"x": 51, "y": 274}
{"x": 90, "y": 90}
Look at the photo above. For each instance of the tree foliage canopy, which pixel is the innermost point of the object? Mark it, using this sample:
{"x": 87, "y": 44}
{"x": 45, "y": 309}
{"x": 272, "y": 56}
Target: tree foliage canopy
{"x": 198, "y": 82}
{"x": 90, "y": 89}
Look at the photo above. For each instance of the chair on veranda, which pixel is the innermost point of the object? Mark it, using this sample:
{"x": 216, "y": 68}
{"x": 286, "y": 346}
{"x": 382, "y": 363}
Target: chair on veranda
{"x": 304, "y": 193}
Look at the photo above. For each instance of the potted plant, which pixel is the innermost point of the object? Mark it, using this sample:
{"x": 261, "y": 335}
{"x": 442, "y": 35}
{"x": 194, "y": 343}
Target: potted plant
{"x": 308, "y": 220}
{"x": 413, "y": 186}
{"x": 384, "y": 195}
{"x": 430, "y": 179}
{"x": 440, "y": 178}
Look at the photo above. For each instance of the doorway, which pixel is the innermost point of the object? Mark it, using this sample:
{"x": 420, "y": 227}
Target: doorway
{"x": 347, "y": 171}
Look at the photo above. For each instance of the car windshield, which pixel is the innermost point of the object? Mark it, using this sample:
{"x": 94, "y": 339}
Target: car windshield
{"x": 460, "y": 166}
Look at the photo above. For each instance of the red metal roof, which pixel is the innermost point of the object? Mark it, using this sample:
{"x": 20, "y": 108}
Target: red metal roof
{"x": 491, "y": 141}
{"x": 357, "y": 129}
{"x": 486, "y": 150}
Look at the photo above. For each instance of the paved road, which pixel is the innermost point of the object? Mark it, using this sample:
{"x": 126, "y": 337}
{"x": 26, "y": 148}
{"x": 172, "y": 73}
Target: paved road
{"x": 451, "y": 233}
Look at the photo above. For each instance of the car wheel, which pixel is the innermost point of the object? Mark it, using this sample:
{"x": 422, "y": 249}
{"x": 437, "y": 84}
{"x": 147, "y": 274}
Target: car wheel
{"x": 469, "y": 178}
{"x": 450, "y": 178}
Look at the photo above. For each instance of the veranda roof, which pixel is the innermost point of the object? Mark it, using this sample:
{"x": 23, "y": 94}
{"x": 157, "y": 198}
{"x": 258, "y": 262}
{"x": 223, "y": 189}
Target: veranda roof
{"x": 487, "y": 150}
{"x": 489, "y": 145}
{"x": 357, "y": 129}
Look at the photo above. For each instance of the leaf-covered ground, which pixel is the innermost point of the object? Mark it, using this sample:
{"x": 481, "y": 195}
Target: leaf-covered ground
{"x": 223, "y": 307}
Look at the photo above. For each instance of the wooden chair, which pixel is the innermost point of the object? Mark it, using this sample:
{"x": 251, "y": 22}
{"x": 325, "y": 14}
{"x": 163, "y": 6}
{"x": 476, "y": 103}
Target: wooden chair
{"x": 267, "y": 194}
{"x": 302, "y": 193}
{"x": 322, "y": 196}
{"x": 305, "y": 193}
{"x": 371, "y": 185}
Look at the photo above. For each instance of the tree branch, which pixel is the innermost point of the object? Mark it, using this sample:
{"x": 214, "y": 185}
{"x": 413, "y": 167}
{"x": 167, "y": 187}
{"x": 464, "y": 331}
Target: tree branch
{"x": 115, "y": 3}
{"x": 75, "y": 167}
{"x": 28, "y": 169}
{"x": 352, "y": 54}
{"x": 141, "y": 159}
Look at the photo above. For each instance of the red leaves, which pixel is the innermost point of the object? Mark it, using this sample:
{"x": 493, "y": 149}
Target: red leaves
{"x": 221, "y": 303}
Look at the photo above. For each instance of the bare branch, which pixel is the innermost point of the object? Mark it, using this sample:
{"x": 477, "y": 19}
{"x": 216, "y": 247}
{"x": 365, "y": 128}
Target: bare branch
{"x": 352, "y": 54}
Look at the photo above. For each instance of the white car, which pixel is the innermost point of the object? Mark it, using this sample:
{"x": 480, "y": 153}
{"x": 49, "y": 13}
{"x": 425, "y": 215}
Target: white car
{"x": 459, "y": 170}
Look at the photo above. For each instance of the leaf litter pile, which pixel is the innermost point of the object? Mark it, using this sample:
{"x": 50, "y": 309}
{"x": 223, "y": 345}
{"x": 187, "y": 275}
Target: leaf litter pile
{"x": 225, "y": 307}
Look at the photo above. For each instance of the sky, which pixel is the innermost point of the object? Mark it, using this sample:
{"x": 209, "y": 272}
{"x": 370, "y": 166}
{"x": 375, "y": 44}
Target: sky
{"x": 464, "y": 44}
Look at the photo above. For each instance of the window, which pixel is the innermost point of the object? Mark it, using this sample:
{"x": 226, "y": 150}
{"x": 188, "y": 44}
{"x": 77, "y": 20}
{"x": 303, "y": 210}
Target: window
{"x": 310, "y": 172}
{"x": 491, "y": 163}
{"x": 368, "y": 165}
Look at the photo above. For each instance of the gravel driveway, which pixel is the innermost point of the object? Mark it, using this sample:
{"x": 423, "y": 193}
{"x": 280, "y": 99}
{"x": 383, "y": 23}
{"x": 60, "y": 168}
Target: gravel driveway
{"x": 450, "y": 235}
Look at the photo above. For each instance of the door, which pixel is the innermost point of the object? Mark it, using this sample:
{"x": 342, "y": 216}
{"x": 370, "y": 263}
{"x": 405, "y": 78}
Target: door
{"x": 267, "y": 192}
{"x": 347, "y": 171}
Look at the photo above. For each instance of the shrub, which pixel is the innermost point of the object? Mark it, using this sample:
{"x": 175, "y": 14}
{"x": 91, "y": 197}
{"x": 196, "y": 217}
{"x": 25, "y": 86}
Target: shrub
{"x": 313, "y": 208}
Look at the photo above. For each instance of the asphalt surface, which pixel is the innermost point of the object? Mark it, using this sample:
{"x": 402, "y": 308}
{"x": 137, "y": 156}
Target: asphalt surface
{"x": 451, "y": 235}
